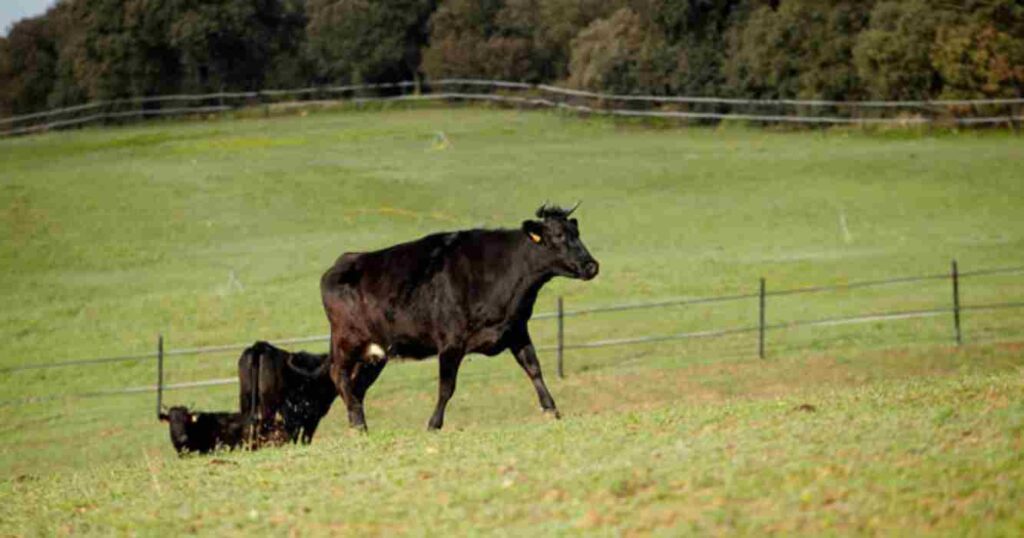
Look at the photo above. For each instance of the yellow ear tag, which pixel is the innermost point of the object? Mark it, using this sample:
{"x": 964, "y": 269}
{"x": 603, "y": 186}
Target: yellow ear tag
{"x": 534, "y": 237}
{"x": 195, "y": 418}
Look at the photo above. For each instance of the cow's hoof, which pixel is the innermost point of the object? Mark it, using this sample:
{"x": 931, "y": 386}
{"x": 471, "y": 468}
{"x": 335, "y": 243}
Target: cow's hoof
{"x": 553, "y": 414}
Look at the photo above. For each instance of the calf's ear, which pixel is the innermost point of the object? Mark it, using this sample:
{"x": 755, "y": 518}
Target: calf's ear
{"x": 534, "y": 230}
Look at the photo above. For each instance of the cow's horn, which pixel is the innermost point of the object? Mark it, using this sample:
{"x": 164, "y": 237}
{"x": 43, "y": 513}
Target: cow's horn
{"x": 578, "y": 202}
{"x": 542, "y": 210}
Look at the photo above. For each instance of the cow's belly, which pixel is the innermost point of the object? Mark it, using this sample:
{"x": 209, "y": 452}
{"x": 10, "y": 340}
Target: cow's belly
{"x": 402, "y": 340}
{"x": 488, "y": 341}
{"x": 409, "y": 349}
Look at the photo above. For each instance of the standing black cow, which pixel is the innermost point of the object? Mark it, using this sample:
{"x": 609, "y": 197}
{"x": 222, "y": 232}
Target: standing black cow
{"x": 447, "y": 294}
{"x": 296, "y": 385}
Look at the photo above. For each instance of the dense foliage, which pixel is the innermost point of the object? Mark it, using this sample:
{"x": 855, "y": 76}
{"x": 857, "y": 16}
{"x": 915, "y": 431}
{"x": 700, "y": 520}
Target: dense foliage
{"x": 839, "y": 49}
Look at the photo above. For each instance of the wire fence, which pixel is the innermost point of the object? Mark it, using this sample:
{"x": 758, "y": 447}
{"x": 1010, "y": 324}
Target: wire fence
{"x": 953, "y": 309}
{"x": 958, "y": 112}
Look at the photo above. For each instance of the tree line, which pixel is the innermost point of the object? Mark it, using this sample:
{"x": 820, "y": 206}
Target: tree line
{"x": 83, "y": 50}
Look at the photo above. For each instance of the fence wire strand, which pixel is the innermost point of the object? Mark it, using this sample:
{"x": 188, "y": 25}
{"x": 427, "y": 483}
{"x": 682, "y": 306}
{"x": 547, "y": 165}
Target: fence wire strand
{"x": 551, "y": 315}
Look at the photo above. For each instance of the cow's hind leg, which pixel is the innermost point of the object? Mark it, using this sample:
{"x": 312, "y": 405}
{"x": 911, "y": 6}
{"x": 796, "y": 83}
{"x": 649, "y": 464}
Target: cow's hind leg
{"x": 308, "y": 429}
{"x": 342, "y": 372}
{"x": 526, "y": 356}
{"x": 448, "y": 370}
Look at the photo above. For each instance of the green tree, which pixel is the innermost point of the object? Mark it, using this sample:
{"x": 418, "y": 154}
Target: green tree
{"x": 67, "y": 90}
{"x": 460, "y": 30}
{"x": 225, "y": 44}
{"x": 560, "y": 21}
{"x": 112, "y": 49}
{"x": 527, "y": 40}
{"x": 367, "y": 41}
{"x": 28, "y": 63}
{"x": 979, "y": 51}
{"x": 694, "y": 31}
{"x": 289, "y": 67}
{"x": 893, "y": 55}
{"x": 620, "y": 54}
{"x": 802, "y": 49}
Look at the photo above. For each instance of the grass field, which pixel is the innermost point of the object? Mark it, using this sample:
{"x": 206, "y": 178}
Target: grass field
{"x": 217, "y": 231}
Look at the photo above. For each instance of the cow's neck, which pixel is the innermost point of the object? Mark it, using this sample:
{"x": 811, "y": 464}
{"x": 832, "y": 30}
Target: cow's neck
{"x": 524, "y": 285}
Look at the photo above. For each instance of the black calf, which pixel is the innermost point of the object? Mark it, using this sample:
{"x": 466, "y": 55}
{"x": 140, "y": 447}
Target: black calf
{"x": 206, "y": 432}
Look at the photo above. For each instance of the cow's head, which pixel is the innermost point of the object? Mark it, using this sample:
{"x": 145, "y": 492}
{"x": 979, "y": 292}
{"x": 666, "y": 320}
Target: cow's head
{"x": 559, "y": 236}
{"x": 179, "y": 419}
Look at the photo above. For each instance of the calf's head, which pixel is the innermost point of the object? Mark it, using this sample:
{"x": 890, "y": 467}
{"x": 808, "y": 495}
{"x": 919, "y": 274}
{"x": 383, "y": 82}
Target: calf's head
{"x": 559, "y": 237}
{"x": 179, "y": 419}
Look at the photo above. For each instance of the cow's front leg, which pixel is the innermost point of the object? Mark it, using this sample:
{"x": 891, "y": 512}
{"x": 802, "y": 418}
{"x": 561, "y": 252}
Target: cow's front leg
{"x": 342, "y": 369}
{"x": 448, "y": 370}
{"x": 526, "y": 356}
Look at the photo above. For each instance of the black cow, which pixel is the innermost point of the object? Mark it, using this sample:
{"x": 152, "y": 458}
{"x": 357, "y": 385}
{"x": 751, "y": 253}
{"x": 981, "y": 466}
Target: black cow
{"x": 296, "y": 385}
{"x": 193, "y": 431}
{"x": 447, "y": 294}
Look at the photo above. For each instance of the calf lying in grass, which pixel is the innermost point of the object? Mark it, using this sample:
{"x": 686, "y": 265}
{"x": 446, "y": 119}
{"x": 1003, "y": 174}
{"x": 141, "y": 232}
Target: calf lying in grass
{"x": 206, "y": 432}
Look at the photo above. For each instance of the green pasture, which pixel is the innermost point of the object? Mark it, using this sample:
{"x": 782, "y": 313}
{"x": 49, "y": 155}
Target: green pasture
{"x": 216, "y": 232}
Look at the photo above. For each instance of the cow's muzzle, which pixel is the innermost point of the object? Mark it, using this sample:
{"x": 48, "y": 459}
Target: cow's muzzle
{"x": 589, "y": 270}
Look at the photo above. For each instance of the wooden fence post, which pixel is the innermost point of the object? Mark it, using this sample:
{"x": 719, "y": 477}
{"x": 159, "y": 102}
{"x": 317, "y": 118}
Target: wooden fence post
{"x": 956, "y": 304}
{"x": 159, "y": 374}
{"x": 760, "y": 322}
{"x": 561, "y": 338}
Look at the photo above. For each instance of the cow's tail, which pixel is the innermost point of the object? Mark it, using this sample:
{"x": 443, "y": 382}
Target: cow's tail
{"x": 259, "y": 348}
{"x": 255, "y": 354}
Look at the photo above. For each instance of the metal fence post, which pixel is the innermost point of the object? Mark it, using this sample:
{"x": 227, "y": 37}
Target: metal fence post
{"x": 956, "y": 303}
{"x": 561, "y": 338}
{"x": 760, "y": 322}
{"x": 159, "y": 374}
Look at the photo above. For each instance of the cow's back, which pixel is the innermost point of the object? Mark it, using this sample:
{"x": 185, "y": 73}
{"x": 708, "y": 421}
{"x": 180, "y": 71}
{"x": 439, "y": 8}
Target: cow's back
{"x": 387, "y": 271}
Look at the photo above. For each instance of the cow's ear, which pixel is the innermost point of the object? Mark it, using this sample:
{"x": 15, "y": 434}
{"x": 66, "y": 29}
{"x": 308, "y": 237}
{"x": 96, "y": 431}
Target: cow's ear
{"x": 534, "y": 230}
{"x": 164, "y": 417}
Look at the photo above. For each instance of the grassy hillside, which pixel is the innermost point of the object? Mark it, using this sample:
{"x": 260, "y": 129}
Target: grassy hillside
{"x": 903, "y": 442}
{"x": 217, "y": 232}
